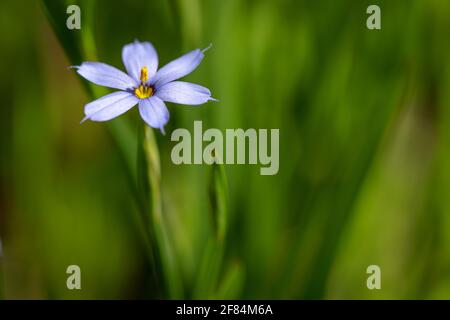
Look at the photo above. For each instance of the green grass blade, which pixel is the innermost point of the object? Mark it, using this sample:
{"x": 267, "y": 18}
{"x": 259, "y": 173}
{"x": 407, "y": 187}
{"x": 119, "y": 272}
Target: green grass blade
{"x": 218, "y": 196}
{"x": 210, "y": 267}
{"x": 2, "y": 276}
{"x": 69, "y": 39}
{"x": 209, "y": 270}
{"x": 232, "y": 283}
{"x": 161, "y": 239}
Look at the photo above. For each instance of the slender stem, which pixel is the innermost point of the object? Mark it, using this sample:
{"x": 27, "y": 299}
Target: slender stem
{"x": 161, "y": 240}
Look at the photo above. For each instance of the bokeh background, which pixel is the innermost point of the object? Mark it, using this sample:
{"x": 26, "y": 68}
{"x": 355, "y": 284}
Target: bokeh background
{"x": 364, "y": 173}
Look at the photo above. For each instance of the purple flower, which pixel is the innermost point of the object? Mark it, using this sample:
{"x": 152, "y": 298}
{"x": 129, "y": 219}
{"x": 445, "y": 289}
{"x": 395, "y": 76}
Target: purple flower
{"x": 143, "y": 85}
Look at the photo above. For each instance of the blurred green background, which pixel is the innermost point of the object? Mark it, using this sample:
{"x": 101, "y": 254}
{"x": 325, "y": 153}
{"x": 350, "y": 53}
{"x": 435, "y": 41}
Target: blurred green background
{"x": 364, "y": 155}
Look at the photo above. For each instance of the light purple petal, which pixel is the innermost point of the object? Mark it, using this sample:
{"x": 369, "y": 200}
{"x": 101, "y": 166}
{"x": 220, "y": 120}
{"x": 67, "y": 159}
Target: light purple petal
{"x": 178, "y": 68}
{"x": 110, "y": 106}
{"x": 137, "y": 55}
{"x": 184, "y": 93}
{"x": 154, "y": 112}
{"x": 105, "y": 75}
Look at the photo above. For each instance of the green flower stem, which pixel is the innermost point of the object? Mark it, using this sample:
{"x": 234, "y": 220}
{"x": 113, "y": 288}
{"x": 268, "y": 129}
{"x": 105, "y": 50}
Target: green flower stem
{"x": 161, "y": 240}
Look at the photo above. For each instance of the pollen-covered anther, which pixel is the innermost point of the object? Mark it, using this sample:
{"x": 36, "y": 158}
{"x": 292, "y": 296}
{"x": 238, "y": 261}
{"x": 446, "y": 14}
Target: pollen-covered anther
{"x": 144, "y": 74}
{"x": 143, "y": 91}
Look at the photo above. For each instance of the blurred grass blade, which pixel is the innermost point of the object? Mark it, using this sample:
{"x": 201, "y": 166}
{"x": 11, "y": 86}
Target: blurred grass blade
{"x": 232, "y": 283}
{"x": 210, "y": 267}
{"x": 161, "y": 240}
{"x": 70, "y": 40}
{"x": 218, "y": 196}
{"x": 2, "y": 270}
{"x": 209, "y": 270}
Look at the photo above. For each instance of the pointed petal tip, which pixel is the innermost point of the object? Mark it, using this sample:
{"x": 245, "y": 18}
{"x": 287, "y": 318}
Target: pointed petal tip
{"x": 207, "y": 48}
{"x": 84, "y": 119}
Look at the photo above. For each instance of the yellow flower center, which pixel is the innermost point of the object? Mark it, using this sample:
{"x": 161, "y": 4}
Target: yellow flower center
{"x": 143, "y": 91}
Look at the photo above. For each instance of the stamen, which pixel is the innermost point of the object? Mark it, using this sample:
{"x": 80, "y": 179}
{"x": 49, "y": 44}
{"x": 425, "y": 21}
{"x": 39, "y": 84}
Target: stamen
{"x": 144, "y": 74}
{"x": 143, "y": 91}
